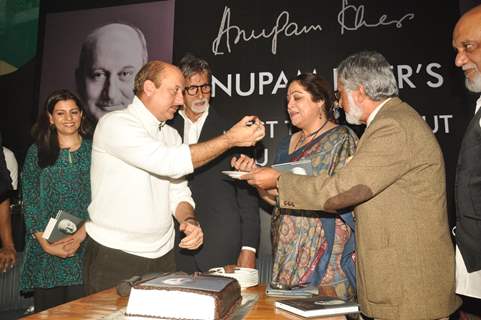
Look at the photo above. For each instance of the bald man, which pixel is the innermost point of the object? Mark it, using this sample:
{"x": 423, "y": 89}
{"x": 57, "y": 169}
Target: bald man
{"x": 138, "y": 184}
{"x": 110, "y": 57}
{"x": 467, "y": 42}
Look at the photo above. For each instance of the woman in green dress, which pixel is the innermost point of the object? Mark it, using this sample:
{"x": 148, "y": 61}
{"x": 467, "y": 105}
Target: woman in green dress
{"x": 56, "y": 176}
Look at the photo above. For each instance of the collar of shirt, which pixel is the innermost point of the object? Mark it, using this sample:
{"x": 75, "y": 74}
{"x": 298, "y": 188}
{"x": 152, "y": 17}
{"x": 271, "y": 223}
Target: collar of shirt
{"x": 478, "y": 105}
{"x": 192, "y": 130}
{"x": 145, "y": 116}
{"x": 375, "y": 111}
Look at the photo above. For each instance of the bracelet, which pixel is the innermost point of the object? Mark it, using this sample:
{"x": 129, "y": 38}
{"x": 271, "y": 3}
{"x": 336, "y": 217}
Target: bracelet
{"x": 277, "y": 182}
{"x": 194, "y": 222}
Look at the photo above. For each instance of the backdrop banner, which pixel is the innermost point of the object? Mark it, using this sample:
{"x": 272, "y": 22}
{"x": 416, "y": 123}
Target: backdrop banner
{"x": 254, "y": 48}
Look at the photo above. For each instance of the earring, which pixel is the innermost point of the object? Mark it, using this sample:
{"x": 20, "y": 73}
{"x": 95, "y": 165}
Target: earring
{"x": 336, "y": 111}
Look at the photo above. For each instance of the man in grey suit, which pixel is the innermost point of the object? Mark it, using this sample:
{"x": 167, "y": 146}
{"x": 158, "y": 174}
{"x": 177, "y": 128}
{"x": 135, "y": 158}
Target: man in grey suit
{"x": 396, "y": 184}
{"x": 467, "y": 42}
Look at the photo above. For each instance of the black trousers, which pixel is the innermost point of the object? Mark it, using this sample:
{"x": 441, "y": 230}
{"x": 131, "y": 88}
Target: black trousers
{"x": 105, "y": 267}
{"x": 45, "y": 298}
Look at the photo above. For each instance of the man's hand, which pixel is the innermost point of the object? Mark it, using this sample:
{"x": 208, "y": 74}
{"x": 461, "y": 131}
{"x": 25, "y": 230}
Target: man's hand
{"x": 246, "y": 132}
{"x": 264, "y": 178}
{"x": 243, "y": 163}
{"x": 247, "y": 259}
{"x": 8, "y": 257}
{"x": 194, "y": 236}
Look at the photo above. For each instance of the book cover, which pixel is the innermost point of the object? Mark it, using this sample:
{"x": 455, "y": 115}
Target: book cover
{"x": 318, "y": 306}
{"x": 64, "y": 225}
{"x": 301, "y": 167}
{"x": 210, "y": 283}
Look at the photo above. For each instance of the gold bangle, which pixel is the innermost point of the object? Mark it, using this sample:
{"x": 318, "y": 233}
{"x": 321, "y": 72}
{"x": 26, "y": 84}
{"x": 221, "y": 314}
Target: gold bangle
{"x": 277, "y": 182}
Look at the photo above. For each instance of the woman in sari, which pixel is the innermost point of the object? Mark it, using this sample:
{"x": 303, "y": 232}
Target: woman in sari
{"x": 312, "y": 248}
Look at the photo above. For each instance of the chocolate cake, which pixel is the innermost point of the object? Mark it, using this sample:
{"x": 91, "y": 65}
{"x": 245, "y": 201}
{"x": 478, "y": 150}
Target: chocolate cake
{"x": 181, "y": 296}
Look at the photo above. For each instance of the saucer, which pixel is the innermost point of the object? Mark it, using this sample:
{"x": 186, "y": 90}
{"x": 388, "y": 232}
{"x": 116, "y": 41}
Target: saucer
{"x": 234, "y": 174}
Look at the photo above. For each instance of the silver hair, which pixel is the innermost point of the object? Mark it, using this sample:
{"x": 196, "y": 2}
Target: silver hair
{"x": 372, "y": 71}
{"x": 190, "y": 65}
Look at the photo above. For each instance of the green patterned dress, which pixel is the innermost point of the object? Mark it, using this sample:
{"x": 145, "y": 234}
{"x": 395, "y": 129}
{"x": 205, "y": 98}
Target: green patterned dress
{"x": 64, "y": 185}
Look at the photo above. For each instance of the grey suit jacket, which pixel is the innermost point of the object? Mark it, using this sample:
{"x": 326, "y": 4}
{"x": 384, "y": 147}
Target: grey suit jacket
{"x": 396, "y": 184}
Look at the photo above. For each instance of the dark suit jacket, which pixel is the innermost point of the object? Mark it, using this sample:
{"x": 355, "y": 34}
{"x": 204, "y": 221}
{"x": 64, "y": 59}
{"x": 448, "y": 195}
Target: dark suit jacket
{"x": 396, "y": 181}
{"x": 227, "y": 209}
{"x": 468, "y": 196}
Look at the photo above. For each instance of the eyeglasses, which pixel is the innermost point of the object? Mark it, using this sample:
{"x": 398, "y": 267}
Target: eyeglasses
{"x": 337, "y": 95}
{"x": 193, "y": 90}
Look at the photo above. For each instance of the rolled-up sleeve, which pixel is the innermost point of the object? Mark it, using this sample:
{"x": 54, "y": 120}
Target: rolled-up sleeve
{"x": 179, "y": 192}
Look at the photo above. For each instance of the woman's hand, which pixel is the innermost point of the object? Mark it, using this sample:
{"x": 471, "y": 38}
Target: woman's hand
{"x": 58, "y": 250}
{"x": 54, "y": 249}
{"x": 73, "y": 242}
{"x": 243, "y": 163}
{"x": 65, "y": 248}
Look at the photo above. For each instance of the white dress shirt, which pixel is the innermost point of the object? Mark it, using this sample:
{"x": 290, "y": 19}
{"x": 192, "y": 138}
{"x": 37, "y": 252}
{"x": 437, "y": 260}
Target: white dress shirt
{"x": 375, "y": 111}
{"x": 478, "y": 105}
{"x": 192, "y": 130}
{"x": 12, "y": 166}
{"x": 137, "y": 182}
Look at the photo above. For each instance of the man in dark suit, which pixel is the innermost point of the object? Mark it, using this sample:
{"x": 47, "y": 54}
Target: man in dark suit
{"x": 467, "y": 42}
{"x": 227, "y": 209}
{"x": 396, "y": 183}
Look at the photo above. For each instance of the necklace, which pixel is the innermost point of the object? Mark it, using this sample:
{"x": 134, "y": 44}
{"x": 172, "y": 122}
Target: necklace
{"x": 311, "y": 135}
{"x": 71, "y": 146}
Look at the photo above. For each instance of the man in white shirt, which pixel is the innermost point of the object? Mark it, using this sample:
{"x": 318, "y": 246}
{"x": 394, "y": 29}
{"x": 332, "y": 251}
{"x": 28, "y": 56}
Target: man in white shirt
{"x": 228, "y": 209}
{"x": 467, "y": 42}
{"x": 138, "y": 164}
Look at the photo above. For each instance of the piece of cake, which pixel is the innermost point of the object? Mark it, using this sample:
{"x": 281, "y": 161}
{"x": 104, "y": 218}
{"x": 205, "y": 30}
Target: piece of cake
{"x": 182, "y": 296}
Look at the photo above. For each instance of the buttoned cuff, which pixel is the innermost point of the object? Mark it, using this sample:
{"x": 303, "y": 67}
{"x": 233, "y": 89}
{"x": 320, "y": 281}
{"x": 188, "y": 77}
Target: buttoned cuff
{"x": 249, "y": 249}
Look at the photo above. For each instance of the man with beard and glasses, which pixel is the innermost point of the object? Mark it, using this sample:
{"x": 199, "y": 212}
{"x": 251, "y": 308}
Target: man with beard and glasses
{"x": 467, "y": 42}
{"x": 228, "y": 210}
{"x": 110, "y": 57}
{"x": 396, "y": 184}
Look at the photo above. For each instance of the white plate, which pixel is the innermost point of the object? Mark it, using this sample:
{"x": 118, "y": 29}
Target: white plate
{"x": 234, "y": 174}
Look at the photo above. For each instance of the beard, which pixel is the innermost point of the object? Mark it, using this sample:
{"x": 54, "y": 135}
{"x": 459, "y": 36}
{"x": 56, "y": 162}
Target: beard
{"x": 474, "y": 85}
{"x": 355, "y": 112}
{"x": 200, "y": 105}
